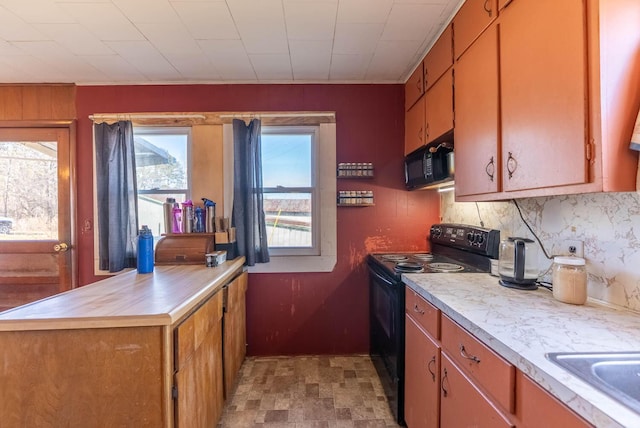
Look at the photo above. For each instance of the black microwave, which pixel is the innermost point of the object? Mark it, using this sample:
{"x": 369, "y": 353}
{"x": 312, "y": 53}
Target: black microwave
{"x": 429, "y": 165}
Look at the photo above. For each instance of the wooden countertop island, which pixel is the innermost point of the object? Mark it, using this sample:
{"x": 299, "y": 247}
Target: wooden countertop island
{"x": 131, "y": 350}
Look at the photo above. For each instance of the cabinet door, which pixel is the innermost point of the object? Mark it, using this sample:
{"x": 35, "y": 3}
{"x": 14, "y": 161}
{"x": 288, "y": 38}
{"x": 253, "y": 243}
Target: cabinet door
{"x": 235, "y": 330}
{"x": 543, "y": 89}
{"x": 530, "y": 398}
{"x": 422, "y": 377}
{"x": 414, "y": 135}
{"x": 414, "y": 88}
{"x": 477, "y": 117}
{"x": 473, "y": 17}
{"x": 462, "y": 404}
{"x": 439, "y": 107}
{"x": 199, "y": 381}
{"x": 439, "y": 58}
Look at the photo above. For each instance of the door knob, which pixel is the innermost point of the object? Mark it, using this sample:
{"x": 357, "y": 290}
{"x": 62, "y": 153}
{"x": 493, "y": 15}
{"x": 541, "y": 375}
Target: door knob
{"x": 61, "y": 247}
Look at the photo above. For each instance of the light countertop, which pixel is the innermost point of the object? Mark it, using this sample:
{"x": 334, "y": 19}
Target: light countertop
{"x": 524, "y": 325}
{"x": 129, "y": 299}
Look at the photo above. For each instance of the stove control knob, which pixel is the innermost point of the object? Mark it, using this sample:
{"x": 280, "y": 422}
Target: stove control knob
{"x": 436, "y": 232}
{"x": 479, "y": 238}
{"x": 470, "y": 237}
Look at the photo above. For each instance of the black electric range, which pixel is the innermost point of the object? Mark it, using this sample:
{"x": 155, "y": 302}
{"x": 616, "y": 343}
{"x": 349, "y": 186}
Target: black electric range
{"x": 455, "y": 248}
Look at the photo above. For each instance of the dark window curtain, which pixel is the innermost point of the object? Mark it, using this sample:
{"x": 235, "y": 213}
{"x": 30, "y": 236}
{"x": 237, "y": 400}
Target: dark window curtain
{"x": 248, "y": 212}
{"x": 117, "y": 195}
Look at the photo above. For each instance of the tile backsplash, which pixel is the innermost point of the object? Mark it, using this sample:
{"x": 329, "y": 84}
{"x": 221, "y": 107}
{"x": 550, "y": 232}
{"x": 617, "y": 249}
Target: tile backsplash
{"x": 607, "y": 223}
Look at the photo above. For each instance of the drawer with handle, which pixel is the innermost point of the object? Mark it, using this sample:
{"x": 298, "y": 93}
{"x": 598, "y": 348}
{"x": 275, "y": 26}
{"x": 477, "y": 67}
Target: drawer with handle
{"x": 491, "y": 372}
{"x": 423, "y": 312}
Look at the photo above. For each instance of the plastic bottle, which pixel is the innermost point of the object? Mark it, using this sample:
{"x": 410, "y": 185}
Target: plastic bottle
{"x": 199, "y": 220}
{"x": 167, "y": 209}
{"x": 177, "y": 219}
{"x": 187, "y": 216}
{"x": 210, "y": 215}
{"x": 145, "y": 250}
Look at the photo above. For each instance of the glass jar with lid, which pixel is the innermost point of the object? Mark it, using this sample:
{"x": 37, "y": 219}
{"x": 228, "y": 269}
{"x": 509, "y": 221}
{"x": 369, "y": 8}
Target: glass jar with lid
{"x": 569, "y": 280}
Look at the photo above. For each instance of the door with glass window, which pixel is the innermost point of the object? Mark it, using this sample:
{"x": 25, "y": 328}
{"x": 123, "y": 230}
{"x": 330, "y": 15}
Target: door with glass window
{"x": 35, "y": 214}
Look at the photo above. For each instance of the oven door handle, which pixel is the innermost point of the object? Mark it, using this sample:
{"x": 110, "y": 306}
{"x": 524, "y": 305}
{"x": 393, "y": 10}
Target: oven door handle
{"x": 381, "y": 277}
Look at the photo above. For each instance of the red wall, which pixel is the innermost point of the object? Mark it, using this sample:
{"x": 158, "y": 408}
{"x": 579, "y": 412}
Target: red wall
{"x": 315, "y": 313}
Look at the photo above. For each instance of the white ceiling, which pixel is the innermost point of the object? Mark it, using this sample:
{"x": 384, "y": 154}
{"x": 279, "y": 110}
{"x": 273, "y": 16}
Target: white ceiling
{"x": 212, "y": 41}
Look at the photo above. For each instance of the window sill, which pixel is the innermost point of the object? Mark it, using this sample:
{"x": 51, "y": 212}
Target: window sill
{"x": 289, "y": 264}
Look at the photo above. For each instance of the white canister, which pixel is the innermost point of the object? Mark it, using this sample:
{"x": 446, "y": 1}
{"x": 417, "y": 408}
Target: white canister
{"x": 570, "y": 280}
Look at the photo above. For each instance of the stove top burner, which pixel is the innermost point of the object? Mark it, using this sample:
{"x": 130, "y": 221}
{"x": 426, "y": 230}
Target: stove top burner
{"x": 394, "y": 257}
{"x": 444, "y": 267}
{"x": 409, "y": 267}
{"x": 423, "y": 256}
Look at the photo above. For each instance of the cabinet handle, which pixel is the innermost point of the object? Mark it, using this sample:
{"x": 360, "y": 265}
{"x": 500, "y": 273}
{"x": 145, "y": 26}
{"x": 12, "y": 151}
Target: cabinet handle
{"x": 419, "y": 85}
{"x": 420, "y": 132}
{"x": 417, "y": 309}
{"x": 512, "y": 165}
{"x": 490, "y": 169}
{"x": 444, "y": 390}
{"x": 487, "y": 8}
{"x": 464, "y": 354}
{"x": 433, "y": 373}
{"x": 427, "y": 133}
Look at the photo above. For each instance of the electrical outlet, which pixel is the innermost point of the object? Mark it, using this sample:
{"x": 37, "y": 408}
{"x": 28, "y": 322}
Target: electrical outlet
{"x": 573, "y": 247}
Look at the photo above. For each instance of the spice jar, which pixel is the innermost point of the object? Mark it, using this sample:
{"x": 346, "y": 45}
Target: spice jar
{"x": 570, "y": 280}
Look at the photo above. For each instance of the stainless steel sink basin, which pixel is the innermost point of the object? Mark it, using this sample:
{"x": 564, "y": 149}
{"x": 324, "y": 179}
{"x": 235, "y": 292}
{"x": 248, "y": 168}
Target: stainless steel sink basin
{"x": 617, "y": 374}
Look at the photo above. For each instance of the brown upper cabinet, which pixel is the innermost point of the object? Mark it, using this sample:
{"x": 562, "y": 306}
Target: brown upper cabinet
{"x": 439, "y": 58}
{"x": 477, "y": 112}
{"x": 439, "y": 107}
{"x": 472, "y": 18}
{"x": 414, "y": 127}
{"x": 566, "y": 95}
{"x": 414, "y": 88}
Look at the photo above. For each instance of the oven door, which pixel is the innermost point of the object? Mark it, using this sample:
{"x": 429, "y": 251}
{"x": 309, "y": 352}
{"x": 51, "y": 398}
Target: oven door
{"x": 386, "y": 318}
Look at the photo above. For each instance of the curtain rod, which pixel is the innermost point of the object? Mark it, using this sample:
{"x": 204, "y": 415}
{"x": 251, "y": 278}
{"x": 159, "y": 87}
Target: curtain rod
{"x": 226, "y": 116}
{"x": 103, "y": 116}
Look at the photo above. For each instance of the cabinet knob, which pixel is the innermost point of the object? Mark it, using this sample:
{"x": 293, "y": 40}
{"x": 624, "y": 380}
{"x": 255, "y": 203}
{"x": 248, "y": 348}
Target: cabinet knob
{"x": 432, "y": 361}
{"x": 512, "y": 165}
{"x": 464, "y": 354}
{"x": 444, "y": 378}
{"x": 487, "y": 8}
{"x": 490, "y": 169}
{"x": 418, "y": 309}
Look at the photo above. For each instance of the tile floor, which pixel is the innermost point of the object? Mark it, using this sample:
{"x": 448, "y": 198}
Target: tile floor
{"x": 310, "y": 391}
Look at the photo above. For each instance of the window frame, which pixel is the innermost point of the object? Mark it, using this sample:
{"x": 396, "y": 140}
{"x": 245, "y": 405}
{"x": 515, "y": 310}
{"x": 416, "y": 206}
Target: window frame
{"x": 326, "y": 175}
{"x": 149, "y": 129}
{"x": 316, "y": 227}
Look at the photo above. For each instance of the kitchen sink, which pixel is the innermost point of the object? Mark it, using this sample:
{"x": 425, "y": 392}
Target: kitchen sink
{"x": 617, "y": 374}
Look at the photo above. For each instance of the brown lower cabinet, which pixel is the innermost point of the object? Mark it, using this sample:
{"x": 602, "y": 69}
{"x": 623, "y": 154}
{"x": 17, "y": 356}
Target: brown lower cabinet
{"x": 136, "y": 375}
{"x": 474, "y": 386}
{"x": 198, "y": 382}
{"x": 235, "y": 330}
{"x": 422, "y": 386}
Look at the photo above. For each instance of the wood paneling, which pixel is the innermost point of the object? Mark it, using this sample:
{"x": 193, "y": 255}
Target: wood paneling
{"x": 207, "y": 165}
{"x": 37, "y": 102}
{"x": 79, "y": 378}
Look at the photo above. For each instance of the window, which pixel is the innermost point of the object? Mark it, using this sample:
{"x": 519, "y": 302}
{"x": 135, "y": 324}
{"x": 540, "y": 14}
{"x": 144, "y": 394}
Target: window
{"x": 313, "y": 181}
{"x": 289, "y": 189}
{"x": 162, "y": 171}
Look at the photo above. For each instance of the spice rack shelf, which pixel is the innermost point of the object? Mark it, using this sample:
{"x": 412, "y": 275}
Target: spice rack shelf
{"x": 355, "y": 170}
{"x": 355, "y": 198}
